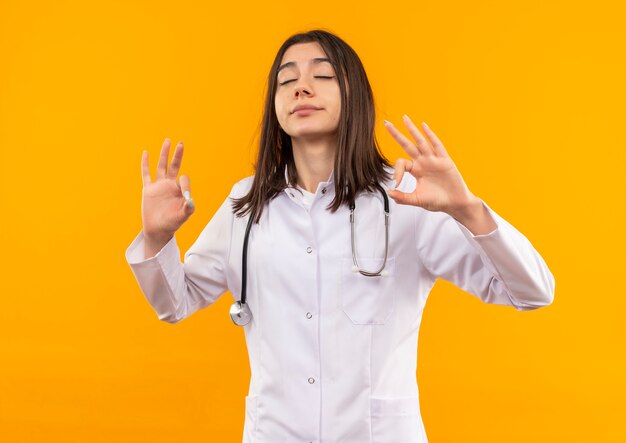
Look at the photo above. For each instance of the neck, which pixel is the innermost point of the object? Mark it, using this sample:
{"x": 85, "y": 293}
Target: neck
{"x": 314, "y": 161}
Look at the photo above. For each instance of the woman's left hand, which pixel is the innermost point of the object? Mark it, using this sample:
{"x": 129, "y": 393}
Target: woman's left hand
{"x": 440, "y": 186}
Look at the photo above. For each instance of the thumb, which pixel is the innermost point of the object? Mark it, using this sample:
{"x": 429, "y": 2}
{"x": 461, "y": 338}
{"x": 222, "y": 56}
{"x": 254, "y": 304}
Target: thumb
{"x": 185, "y": 189}
{"x": 402, "y": 198}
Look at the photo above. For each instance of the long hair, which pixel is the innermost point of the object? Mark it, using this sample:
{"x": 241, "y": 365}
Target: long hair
{"x": 359, "y": 163}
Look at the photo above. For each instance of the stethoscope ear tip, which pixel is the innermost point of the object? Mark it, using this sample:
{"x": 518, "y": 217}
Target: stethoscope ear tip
{"x": 355, "y": 269}
{"x": 384, "y": 273}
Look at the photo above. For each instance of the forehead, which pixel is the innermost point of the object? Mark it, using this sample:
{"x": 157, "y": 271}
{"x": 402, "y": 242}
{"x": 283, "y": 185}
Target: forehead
{"x": 303, "y": 53}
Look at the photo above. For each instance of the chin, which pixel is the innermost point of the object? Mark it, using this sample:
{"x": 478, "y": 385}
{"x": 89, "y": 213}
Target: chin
{"x": 310, "y": 131}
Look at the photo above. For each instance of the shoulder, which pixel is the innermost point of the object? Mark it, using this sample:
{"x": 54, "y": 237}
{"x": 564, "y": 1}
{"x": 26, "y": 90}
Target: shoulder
{"x": 242, "y": 187}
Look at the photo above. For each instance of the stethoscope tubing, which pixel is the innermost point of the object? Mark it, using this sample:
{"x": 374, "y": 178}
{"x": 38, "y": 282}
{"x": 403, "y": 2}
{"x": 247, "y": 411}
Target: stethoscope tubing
{"x": 353, "y": 237}
{"x": 244, "y": 260}
{"x": 240, "y": 311}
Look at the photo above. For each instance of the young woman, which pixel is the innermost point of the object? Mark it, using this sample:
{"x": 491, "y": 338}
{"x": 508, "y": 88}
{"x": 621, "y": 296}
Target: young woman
{"x": 329, "y": 276}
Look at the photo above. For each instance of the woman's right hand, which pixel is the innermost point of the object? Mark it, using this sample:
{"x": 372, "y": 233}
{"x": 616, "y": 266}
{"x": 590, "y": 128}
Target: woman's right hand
{"x": 164, "y": 207}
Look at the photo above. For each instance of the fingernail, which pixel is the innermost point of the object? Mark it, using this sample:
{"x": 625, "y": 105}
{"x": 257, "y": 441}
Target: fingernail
{"x": 186, "y": 195}
{"x": 190, "y": 203}
{"x": 406, "y": 117}
{"x": 424, "y": 123}
{"x": 393, "y": 185}
{"x": 387, "y": 121}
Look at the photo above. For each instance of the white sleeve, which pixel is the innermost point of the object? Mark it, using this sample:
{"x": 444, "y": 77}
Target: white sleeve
{"x": 176, "y": 290}
{"x": 501, "y": 267}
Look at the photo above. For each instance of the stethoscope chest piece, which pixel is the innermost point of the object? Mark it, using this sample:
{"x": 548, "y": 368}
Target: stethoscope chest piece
{"x": 240, "y": 313}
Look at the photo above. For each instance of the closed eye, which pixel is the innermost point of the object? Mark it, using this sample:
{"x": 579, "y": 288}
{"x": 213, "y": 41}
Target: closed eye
{"x": 317, "y": 76}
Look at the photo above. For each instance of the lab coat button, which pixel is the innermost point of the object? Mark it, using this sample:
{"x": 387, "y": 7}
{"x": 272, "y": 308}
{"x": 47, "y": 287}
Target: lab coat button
{"x": 323, "y": 190}
{"x": 309, "y": 250}
{"x": 311, "y": 380}
{"x": 309, "y": 315}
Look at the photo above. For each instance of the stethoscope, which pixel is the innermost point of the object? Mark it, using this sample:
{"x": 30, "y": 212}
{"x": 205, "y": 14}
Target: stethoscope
{"x": 240, "y": 311}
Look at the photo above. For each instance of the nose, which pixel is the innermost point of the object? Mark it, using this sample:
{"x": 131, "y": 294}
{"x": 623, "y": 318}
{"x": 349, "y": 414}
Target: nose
{"x": 302, "y": 89}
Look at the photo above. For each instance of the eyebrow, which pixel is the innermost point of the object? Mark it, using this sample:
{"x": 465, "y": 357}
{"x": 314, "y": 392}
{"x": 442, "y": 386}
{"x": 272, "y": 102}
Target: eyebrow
{"x": 316, "y": 60}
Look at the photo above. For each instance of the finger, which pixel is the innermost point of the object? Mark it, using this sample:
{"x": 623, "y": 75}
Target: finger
{"x": 172, "y": 172}
{"x": 185, "y": 189}
{"x": 184, "y": 185}
{"x": 437, "y": 145}
{"x": 403, "y": 198}
{"x": 162, "y": 166}
{"x": 400, "y": 167}
{"x": 423, "y": 145}
{"x": 402, "y": 140}
{"x": 145, "y": 169}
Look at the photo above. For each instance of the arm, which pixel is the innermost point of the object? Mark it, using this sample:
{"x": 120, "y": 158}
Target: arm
{"x": 497, "y": 263}
{"x": 176, "y": 290}
{"x": 500, "y": 267}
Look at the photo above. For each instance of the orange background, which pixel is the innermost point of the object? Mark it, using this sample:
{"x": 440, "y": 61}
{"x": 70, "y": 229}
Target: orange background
{"x": 527, "y": 96}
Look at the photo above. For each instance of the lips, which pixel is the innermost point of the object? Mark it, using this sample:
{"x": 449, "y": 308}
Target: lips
{"x": 303, "y": 107}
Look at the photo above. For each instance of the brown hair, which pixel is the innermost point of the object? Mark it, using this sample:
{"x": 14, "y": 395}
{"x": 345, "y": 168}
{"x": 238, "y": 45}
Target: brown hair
{"x": 359, "y": 163}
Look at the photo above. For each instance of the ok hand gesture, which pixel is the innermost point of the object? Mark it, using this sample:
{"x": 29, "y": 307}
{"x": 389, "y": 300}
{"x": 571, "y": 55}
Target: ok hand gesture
{"x": 166, "y": 204}
{"x": 440, "y": 186}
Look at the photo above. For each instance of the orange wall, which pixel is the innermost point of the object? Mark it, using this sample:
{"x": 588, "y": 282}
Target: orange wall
{"x": 527, "y": 96}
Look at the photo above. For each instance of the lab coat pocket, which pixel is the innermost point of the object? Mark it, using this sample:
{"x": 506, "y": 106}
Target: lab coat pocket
{"x": 396, "y": 420}
{"x": 250, "y": 423}
{"x": 367, "y": 300}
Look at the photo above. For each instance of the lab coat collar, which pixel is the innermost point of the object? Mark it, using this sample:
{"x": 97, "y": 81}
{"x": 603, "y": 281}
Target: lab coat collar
{"x": 327, "y": 185}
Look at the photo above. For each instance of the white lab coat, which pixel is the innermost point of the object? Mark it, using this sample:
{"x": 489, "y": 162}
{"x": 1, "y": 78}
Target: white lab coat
{"x": 333, "y": 353}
